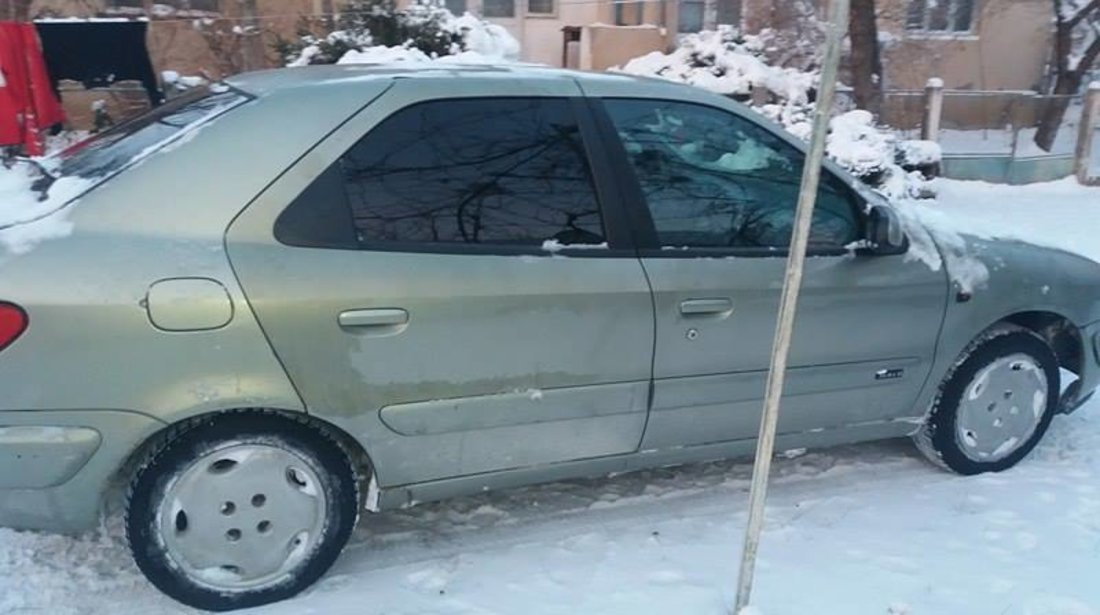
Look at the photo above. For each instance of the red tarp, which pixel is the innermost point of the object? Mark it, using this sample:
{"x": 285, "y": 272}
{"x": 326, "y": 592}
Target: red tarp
{"x": 27, "y": 102}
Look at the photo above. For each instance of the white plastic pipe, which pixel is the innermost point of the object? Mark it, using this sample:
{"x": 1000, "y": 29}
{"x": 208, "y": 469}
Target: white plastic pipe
{"x": 792, "y": 284}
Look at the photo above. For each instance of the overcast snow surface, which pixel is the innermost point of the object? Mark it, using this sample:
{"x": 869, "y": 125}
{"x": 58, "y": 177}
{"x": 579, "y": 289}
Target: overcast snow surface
{"x": 864, "y": 529}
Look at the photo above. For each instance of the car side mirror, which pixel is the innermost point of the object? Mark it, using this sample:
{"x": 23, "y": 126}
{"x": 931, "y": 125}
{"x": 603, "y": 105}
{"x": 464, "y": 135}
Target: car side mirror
{"x": 885, "y": 235}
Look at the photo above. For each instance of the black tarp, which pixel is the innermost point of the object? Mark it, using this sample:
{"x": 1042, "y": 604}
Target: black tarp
{"x": 98, "y": 53}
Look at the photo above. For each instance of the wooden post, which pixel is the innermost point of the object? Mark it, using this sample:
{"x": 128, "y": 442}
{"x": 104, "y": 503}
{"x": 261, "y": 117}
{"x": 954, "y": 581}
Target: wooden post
{"x": 933, "y": 109}
{"x": 788, "y": 304}
{"x": 1090, "y": 123}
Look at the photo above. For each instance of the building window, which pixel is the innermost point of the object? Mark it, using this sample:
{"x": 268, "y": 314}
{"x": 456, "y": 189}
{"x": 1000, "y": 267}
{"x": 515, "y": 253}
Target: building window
{"x": 940, "y": 16}
{"x": 540, "y": 7}
{"x": 729, "y": 13}
{"x": 456, "y": 7}
{"x": 498, "y": 8}
{"x": 628, "y": 13}
{"x": 693, "y": 15}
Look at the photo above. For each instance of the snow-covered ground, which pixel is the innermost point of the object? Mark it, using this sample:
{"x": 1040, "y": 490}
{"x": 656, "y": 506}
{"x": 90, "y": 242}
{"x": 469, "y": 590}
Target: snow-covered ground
{"x": 864, "y": 529}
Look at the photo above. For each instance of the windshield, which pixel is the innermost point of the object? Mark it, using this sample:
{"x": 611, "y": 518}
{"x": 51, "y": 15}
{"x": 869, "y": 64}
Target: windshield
{"x": 108, "y": 152}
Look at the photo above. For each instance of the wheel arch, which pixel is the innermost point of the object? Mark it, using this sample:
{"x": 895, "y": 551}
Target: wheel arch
{"x": 363, "y": 467}
{"x": 1063, "y": 336}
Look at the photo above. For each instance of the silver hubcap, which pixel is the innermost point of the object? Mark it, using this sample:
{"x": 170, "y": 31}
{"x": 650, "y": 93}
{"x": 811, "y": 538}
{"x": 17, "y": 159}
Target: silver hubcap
{"x": 242, "y": 517}
{"x": 1001, "y": 408}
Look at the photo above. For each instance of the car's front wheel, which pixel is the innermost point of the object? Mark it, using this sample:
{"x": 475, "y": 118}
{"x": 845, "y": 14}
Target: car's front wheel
{"x": 241, "y": 510}
{"x": 995, "y": 405}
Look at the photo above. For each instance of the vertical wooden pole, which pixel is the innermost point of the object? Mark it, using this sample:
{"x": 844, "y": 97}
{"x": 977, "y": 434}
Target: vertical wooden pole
{"x": 792, "y": 284}
{"x": 1090, "y": 123}
{"x": 933, "y": 109}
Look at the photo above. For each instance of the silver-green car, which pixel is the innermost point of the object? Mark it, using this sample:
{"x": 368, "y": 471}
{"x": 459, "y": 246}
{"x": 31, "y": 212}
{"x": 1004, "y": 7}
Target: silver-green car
{"x": 312, "y": 292}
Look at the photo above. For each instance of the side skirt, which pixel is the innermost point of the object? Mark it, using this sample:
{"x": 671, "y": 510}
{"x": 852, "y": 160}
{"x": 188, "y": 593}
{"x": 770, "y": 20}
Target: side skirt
{"x": 409, "y": 495}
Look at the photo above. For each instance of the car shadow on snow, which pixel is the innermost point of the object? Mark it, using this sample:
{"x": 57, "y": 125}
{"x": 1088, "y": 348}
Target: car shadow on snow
{"x": 416, "y": 533}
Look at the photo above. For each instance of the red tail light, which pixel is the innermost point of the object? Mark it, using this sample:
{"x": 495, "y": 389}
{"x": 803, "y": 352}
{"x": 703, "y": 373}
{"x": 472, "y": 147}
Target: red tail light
{"x": 13, "y": 322}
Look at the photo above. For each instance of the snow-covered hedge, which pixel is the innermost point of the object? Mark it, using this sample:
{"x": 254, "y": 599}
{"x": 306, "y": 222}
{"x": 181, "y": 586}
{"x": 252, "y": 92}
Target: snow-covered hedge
{"x": 734, "y": 64}
{"x": 375, "y": 31}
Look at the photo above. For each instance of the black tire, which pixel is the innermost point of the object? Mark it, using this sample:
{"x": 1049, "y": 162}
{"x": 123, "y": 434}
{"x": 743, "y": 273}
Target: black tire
{"x": 937, "y": 438}
{"x": 191, "y": 442}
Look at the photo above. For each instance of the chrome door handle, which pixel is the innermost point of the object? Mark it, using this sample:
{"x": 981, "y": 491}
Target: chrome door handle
{"x": 380, "y": 317}
{"x": 702, "y": 307}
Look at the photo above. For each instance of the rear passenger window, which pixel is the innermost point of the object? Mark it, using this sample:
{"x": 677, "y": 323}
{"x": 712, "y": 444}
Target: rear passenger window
{"x": 509, "y": 172}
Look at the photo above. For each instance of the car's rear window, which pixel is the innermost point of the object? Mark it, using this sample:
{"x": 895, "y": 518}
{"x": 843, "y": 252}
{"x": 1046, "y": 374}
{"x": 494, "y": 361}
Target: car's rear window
{"x": 108, "y": 152}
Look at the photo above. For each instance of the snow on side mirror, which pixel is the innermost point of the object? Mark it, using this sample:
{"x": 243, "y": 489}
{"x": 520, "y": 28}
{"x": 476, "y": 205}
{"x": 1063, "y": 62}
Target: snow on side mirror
{"x": 884, "y": 233}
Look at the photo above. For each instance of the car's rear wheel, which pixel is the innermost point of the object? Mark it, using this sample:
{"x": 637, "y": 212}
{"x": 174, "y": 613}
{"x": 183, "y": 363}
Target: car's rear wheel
{"x": 240, "y": 511}
{"x": 995, "y": 405}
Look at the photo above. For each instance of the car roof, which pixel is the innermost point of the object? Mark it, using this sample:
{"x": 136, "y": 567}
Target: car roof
{"x": 267, "y": 81}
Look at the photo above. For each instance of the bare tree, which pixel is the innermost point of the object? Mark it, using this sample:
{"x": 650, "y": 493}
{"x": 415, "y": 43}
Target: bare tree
{"x": 864, "y": 60}
{"x": 1076, "y": 50}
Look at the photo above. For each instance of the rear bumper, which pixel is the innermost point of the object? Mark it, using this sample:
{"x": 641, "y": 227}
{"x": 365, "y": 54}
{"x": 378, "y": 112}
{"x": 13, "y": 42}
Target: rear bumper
{"x": 57, "y": 465}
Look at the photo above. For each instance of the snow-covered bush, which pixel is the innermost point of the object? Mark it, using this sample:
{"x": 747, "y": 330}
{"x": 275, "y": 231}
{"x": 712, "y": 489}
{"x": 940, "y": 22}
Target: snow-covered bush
{"x": 370, "y": 31}
{"x": 734, "y": 64}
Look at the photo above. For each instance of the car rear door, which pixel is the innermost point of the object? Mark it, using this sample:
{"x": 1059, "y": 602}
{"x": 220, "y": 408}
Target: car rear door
{"x": 443, "y": 278}
{"x": 715, "y": 195}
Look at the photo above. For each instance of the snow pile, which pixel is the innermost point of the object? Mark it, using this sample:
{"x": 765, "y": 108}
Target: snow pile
{"x": 174, "y": 81}
{"x": 431, "y": 33}
{"x": 857, "y": 145}
{"x": 326, "y": 49}
{"x": 381, "y": 54}
{"x": 726, "y": 62}
{"x": 486, "y": 39}
{"x": 25, "y": 217}
{"x": 916, "y": 152}
{"x": 735, "y": 65}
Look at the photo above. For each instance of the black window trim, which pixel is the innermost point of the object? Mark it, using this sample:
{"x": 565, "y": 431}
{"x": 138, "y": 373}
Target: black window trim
{"x": 616, "y": 223}
{"x": 641, "y": 221}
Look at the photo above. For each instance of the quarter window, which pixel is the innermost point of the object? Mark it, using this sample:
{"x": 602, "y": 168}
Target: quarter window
{"x": 504, "y": 172}
{"x": 714, "y": 180}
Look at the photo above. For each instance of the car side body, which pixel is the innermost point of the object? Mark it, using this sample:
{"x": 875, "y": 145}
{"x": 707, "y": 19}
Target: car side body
{"x": 448, "y": 372}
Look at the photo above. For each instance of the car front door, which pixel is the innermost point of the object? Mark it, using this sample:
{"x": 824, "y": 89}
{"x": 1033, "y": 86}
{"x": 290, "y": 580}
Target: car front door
{"x": 716, "y": 195}
{"x": 448, "y": 283}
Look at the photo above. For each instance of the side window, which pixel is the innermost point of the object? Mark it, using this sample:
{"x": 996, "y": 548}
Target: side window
{"x": 502, "y": 171}
{"x": 714, "y": 180}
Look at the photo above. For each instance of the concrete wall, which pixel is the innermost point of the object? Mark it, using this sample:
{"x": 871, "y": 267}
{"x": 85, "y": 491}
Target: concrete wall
{"x": 606, "y": 46}
{"x": 542, "y": 41}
